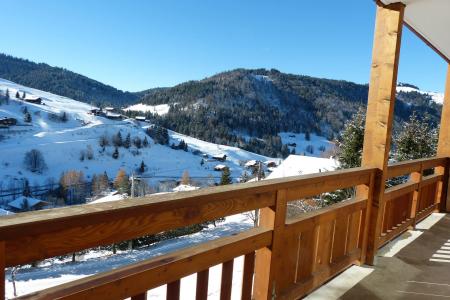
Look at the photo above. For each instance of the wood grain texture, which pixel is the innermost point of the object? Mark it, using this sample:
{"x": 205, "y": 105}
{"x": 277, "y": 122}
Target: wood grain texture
{"x": 142, "y": 296}
{"x": 380, "y": 111}
{"x": 247, "y": 276}
{"x": 226, "y": 280}
{"x": 173, "y": 290}
{"x": 201, "y": 292}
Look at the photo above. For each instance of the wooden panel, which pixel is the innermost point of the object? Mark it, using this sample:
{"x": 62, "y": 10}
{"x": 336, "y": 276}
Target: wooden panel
{"x": 310, "y": 219}
{"x": 202, "y": 285}
{"x": 400, "y": 190}
{"x": 247, "y": 276}
{"x": 173, "y": 290}
{"x": 2, "y": 270}
{"x": 340, "y": 238}
{"x": 136, "y": 278}
{"x": 142, "y": 296}
{"x": 353, "y": 231}
{"x": 304, "y": 287}
{"x": 324, "y": 245}
{"x": 307, "y": 253}
{"x": 403, "y": 168}
{"x": 227, "y": 280}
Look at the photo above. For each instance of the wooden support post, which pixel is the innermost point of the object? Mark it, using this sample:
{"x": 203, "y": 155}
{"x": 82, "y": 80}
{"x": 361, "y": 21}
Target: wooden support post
{"x": 269, "y": 259}
{"x": 380, "y": 111}
{"x": 444, "y": 147}
{"x": 417, "y": 178}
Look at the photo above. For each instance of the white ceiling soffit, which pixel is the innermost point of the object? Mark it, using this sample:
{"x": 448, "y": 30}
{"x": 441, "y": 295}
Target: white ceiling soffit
{"x": 431, "y": 20}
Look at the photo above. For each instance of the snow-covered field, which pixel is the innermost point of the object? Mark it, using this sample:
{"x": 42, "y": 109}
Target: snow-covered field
{"x": 320, "y": 145}
{"x": 160, "y": 109}
{"x": 436, "y": 97}
{"x": 61, "y": 144}
{"x": 38, "y": 278}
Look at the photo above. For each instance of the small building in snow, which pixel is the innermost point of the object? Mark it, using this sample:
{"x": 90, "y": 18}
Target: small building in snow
{"x": 220, "y": 157}
{"x": 33, "y": 99}
{"x": 95, "y": 111}
{"x": 251, "y": 164}
{"x": 140, "y": 118}
{"x": 8, "y": 121}
{"x": 271, "y": 163}
{"x": 220, "y": 167}
{"x": 113, "y": 116}
{"x": 23, "y": 203}
{"x": 108, "y": 108}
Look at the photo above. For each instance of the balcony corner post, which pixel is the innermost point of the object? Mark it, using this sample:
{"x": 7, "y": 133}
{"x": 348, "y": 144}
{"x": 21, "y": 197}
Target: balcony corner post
{"x": 380, "y": 112}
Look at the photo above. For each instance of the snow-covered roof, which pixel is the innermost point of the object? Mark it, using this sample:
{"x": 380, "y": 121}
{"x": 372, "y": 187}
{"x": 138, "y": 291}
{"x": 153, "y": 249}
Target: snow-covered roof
{"x": 221, "y": 156}
{"x": 251, "y": 163}
{"x": 220, "y": 167}
{"x": 19, "y": 202}
{"x": 31, "y": 97}
{"x": 184, "y": 188}
{"x": 109, "y": 108}
{"x": 114, "y": 115}
{"x": 4, "y": 212}
{"x": 140, "y": 118}
{"x": 114, "y": 196}
{"x": 295, "y": 165}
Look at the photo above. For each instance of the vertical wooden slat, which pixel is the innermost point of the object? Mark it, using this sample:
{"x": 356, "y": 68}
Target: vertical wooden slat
{"x": 142, "y": 296}
{"x": 380, "y": 109}
{"x": 173, "y": 290}
{"x": 353, "y": 231}
{"x": 268, "y": 259}
{"x": 415, "y": 204}
{"x": 247, "y": 276}
{"x": 308, "y": 253}
{"x": 202, "y": 285}
{"x": 324, "y": 244}
{"x": 443, "y": 148}
{"x": 340, "y": 238}
{"x": 227, "y": 280}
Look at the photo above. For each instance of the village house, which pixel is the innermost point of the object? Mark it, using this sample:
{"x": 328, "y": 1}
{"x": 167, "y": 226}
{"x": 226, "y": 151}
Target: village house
{"x": 220, "y": 168}
{"x": 33, "y": 99}
{"x": 8, "y": 121}
{"x": 22, "y": 204}
{"x": 220, "y": 157}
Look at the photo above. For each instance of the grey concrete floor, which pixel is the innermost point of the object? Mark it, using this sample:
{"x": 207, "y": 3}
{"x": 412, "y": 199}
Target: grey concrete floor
{"x": 421, "y": 270}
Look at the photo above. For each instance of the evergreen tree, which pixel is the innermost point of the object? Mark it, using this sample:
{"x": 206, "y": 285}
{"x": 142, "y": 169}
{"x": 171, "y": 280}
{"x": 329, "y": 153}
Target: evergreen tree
{"x": 415, "y": 140}
{"x": 145, "y": 142}
{"x": 64, "y": 116}
{"x": 17, "y": 95}
{"x": 142, "y": 167}
{"x": 350, "y": 141}
{"x": 226, "y": 177}
{"x": 127, "y": 142}
{"x": 307, "y": 136}
{"x": 26, "y": 188}
{"x": 245, "y": 177}
{"x": 117, "y": 139}
{"x": 27, "y": 117}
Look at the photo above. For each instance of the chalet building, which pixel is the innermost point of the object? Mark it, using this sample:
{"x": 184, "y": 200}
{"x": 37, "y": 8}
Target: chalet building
{"x": 220, "y": 157}
{"x": 95, "y": 111}
{"x": 8, "y": 121}
{"x": 33, "y": 99}
{"x": 317, "y": 253}
{"x": 113, "y": 116}
{"x": 23, "y": 204}
{"x": 140, "y": 118}
{"x": 109, "y": 109}
{"x": 220, "y": 168}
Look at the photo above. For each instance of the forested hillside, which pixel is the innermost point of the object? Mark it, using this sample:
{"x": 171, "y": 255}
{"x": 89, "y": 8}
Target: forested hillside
{"x": 248, "y": 108}
{"x": 62, "y": 82}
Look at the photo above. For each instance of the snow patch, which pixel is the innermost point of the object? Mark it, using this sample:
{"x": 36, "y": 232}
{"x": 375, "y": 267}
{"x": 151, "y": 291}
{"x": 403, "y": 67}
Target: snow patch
{"x": 160, "y": 109}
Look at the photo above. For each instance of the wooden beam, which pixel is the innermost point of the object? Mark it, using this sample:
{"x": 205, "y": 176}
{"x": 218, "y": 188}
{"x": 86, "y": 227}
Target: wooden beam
{"x": 380, "y": 110}
{"x": 444, "y": 146}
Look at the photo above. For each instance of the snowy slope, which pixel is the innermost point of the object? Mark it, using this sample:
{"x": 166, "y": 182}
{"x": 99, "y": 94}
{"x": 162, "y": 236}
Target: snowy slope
{"x": 295, "y": 165}
{"x": 61, "y": 144}
{"x": 436, "y": 97}
{"x": 320, "y": 145}
{"x": 160, "y": 109}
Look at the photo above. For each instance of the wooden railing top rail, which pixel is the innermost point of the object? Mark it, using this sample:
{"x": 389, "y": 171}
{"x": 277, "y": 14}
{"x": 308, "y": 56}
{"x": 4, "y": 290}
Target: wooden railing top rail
{"x": 144, "y": 275}
{"x": 416, "y": 165}
{"x": 38, "y": 235}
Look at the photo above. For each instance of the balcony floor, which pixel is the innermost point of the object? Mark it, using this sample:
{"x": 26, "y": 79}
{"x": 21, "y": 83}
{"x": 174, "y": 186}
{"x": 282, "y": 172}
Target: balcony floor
{"x": 414, "y": 266}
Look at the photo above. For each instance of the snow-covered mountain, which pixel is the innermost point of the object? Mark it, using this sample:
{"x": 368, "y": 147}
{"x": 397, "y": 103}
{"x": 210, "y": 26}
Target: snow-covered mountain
{"x": 62, "y": 143}
{"x": 436, "y": 97}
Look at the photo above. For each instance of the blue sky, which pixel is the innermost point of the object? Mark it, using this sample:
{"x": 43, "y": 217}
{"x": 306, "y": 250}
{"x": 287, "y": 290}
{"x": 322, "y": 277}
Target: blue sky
{"x": 139, "y": 44}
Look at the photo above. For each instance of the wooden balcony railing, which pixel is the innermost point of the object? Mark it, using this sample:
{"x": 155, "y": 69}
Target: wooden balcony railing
{"x": 283, "y": 258}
